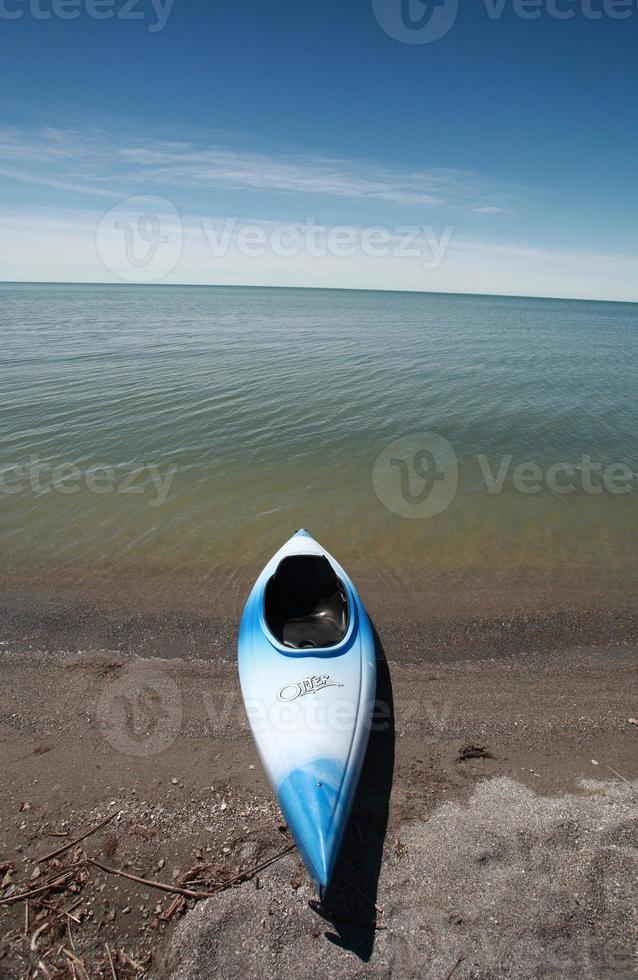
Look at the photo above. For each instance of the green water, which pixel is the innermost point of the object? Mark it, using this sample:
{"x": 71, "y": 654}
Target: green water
{"x": 200, "y": 427}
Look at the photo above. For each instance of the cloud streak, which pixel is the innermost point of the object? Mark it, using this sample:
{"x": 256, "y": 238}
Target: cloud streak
{"x": 66, "y": 179}
{"x": 87, "y": 162}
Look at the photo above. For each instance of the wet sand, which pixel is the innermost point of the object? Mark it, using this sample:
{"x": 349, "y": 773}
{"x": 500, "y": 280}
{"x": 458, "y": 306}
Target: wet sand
{"x": 491, "y": 861}
{"x": 160, "y": 615}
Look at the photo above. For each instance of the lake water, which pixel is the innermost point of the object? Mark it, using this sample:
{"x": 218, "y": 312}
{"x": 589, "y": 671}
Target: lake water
{"x": 178, "y": 435}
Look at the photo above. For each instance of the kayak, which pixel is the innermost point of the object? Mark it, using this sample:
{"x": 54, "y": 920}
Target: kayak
{"x": 307, "y": 667}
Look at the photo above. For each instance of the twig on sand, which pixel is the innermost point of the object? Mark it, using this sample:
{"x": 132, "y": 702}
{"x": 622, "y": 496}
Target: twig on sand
{"x": 37, "y": 891}
{"x": 129, "y": 961}
{"x": 174, "y": 889}
{"x": 34, "y": 938}
{"x": 189, "y": 892}
{"x": 624, "y": 778}
{"x": 111, "y": 963}
{"x": 26, "y": 918}
{"x": 76, "y": 840}
{"x": 53, "y": 908}
{"x": 455, "y": 967}
{"x": 177, "y": 905}
{"x": 75, "y": 961}
{"x": 245, "y": 875}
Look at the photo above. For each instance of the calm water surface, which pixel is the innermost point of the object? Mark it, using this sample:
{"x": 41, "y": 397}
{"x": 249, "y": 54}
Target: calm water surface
{"x": 268, "y": 408}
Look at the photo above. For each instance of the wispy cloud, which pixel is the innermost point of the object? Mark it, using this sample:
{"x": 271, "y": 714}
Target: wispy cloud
{"x": 490, "y": 209}
{"x": 73, "y": 176}
{"x": 58, "y": 185}
{"x": 90, "y": 161}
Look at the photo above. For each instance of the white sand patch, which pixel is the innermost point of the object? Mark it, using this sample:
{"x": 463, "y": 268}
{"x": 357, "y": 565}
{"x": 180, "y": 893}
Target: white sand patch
{"x": 517, "y": 884}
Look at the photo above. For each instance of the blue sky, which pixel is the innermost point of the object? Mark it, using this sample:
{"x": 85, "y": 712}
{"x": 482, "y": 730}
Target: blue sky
{"x": 512, "y": 141}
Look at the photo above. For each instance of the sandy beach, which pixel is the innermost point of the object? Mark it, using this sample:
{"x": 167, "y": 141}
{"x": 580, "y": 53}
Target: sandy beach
{"x": 318, "y": 368}
{"x": 494, "y": 832}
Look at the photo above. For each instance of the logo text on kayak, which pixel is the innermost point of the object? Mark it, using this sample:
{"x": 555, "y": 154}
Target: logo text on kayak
{"x": 309, "y": 685}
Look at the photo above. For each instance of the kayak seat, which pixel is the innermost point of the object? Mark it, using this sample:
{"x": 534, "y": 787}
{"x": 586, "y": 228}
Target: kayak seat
{"x": 305, "y": 603}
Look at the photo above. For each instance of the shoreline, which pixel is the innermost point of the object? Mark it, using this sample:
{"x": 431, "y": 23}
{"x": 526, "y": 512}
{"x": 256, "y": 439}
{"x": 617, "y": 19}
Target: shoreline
{"x": 57, "y": 620}
{"x": 159, "y": 616}
{"x": 164, "y": 741}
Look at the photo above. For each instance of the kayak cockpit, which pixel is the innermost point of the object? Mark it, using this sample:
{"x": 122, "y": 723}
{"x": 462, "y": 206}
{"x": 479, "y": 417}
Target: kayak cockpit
{"x": 306, "y": 603}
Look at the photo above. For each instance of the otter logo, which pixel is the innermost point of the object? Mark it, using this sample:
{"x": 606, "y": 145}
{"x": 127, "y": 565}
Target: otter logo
{"x": 309, "y": 685}
{"x": 416, "y": 476}
{"x": 416, "y": 21}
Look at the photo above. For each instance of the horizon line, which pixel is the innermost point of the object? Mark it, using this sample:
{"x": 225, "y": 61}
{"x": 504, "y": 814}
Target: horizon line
{"x": 334, "y": 289}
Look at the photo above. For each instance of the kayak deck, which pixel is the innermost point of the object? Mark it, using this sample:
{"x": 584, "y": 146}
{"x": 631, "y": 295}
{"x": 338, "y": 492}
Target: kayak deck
{"x": 308, "y": 674}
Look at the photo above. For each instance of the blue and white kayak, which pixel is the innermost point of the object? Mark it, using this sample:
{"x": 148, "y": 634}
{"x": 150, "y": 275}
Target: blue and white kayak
{"x": 307, "y": 667}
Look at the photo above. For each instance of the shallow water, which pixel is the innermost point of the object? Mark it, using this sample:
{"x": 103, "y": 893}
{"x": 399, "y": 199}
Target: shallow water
{"x": 200, "y": 427}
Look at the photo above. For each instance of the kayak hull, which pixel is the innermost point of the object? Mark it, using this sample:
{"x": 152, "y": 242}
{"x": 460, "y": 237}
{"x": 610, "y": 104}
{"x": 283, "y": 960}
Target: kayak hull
{"x": 310, "y": 711}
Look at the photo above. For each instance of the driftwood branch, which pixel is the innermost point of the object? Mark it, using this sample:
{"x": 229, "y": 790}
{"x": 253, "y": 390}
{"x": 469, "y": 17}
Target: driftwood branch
{"x": 174, "y": 889}
{"x": 189, "y": 892}
{"x": 77, "y": 840}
